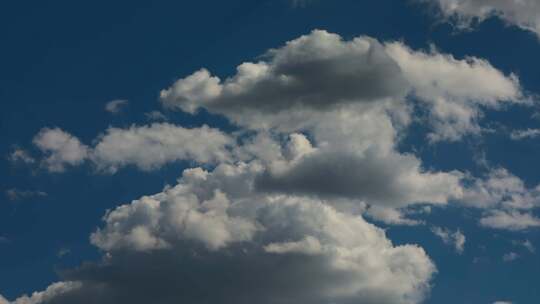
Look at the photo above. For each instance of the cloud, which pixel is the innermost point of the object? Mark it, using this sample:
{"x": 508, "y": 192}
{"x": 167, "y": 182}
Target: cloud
{"x": 150, "y": 147}
{"x": 390, "y": 216}
{"x": 316, "y": 71}
{"x": 60, "y": 148}
{"x": 454, "y": 91}
{"x": 322, "y": 72}
{"x": 529, "y": 245}
{"x": 17, "y": 194}
{"x": 146, "y": 147}
{"x": 52, "y": 292}
{"x": 394, "y": 181}
{"x": 213, "y": 232}
{"x": 524, "y": 14}
{"x": 511, "y": 256}
{"x": 502, "y": 302}
{"x": 278, "y": 215}
{"x": 20, "y": 155}
{"x": 525, "y": 134}
{"x": 155, "y": 116}
{"x": 116, "y": 106}
{"x": 456, "y": 239}
{"x": 505, "y": 200}
{"x": 501, "y": 189}
{"x": 510, "y": 220}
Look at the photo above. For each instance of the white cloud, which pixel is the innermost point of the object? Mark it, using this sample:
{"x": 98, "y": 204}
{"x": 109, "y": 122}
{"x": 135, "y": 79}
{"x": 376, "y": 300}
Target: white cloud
{"x": 321, "y": 72}
{"x": 524, "y": 134}
{"x": 502, "y": 302}
{"x": 390, "y": 216}
{"x": 146, "y": 147}
{"x": 212, "y": 225}
{"x": 501, "y": 189}
{"x": 52, "y": 293}
{"x": 456, "y": 239}
{"x": 3, "y": 300}
{"x": 522, "y": 13}
{"x": 150, "y": 147}
{"x": 510, "y": 220}
{"x": 116, "y": 106}
{"x": 61, "y": 149}
{"x": 454, "y": 91}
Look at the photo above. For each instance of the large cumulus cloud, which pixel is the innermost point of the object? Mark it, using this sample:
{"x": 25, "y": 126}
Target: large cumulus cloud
{"x": 211, "y": 239}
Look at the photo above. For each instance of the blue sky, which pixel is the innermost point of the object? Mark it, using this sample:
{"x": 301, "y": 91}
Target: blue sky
{"x": 430, "y": 134}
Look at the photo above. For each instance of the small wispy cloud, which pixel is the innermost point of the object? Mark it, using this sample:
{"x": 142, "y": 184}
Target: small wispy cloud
{"x": 511, "y": 256}
{"x": 524, "y": 134}
{"x": 116, "y": 106}
{"x": 20, "y": 155}
{"x": 17, "y": 194}
{"x": 456, "y": 239}
{"x": 155, "y": 116}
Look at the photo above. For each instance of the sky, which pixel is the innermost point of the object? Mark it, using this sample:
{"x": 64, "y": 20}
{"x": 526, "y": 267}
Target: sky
{"x": 271, "y": 151}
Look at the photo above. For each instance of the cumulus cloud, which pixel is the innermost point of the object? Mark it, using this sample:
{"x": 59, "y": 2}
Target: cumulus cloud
{"x": 456, "y": 239}
{"x": 53, "y": 292}
{"x": 212, "y": 231}
{"x": 146, "y": 147}
{"x": 322, "y": 72}
{"x": 393, "y": 181}
{"x": 315, "y": 71}
{"x": 391, "y": 216}
{"x": 116, "y": 106}
{"x": 521, "y": 13}
{"x": 277, "y": 218}
{"x": 61, "y": 149}
{"x": 150, "y": 147}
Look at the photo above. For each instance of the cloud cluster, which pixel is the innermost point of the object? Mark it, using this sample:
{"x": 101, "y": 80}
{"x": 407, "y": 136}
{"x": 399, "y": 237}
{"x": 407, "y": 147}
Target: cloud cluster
{"x": 212, "y": 231}
{"x": 522, "y": 13}
{"x": 275, "y": 214}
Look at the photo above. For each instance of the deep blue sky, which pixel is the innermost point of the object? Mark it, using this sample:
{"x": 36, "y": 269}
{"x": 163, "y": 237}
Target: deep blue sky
{"x": 61, "y": 61}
